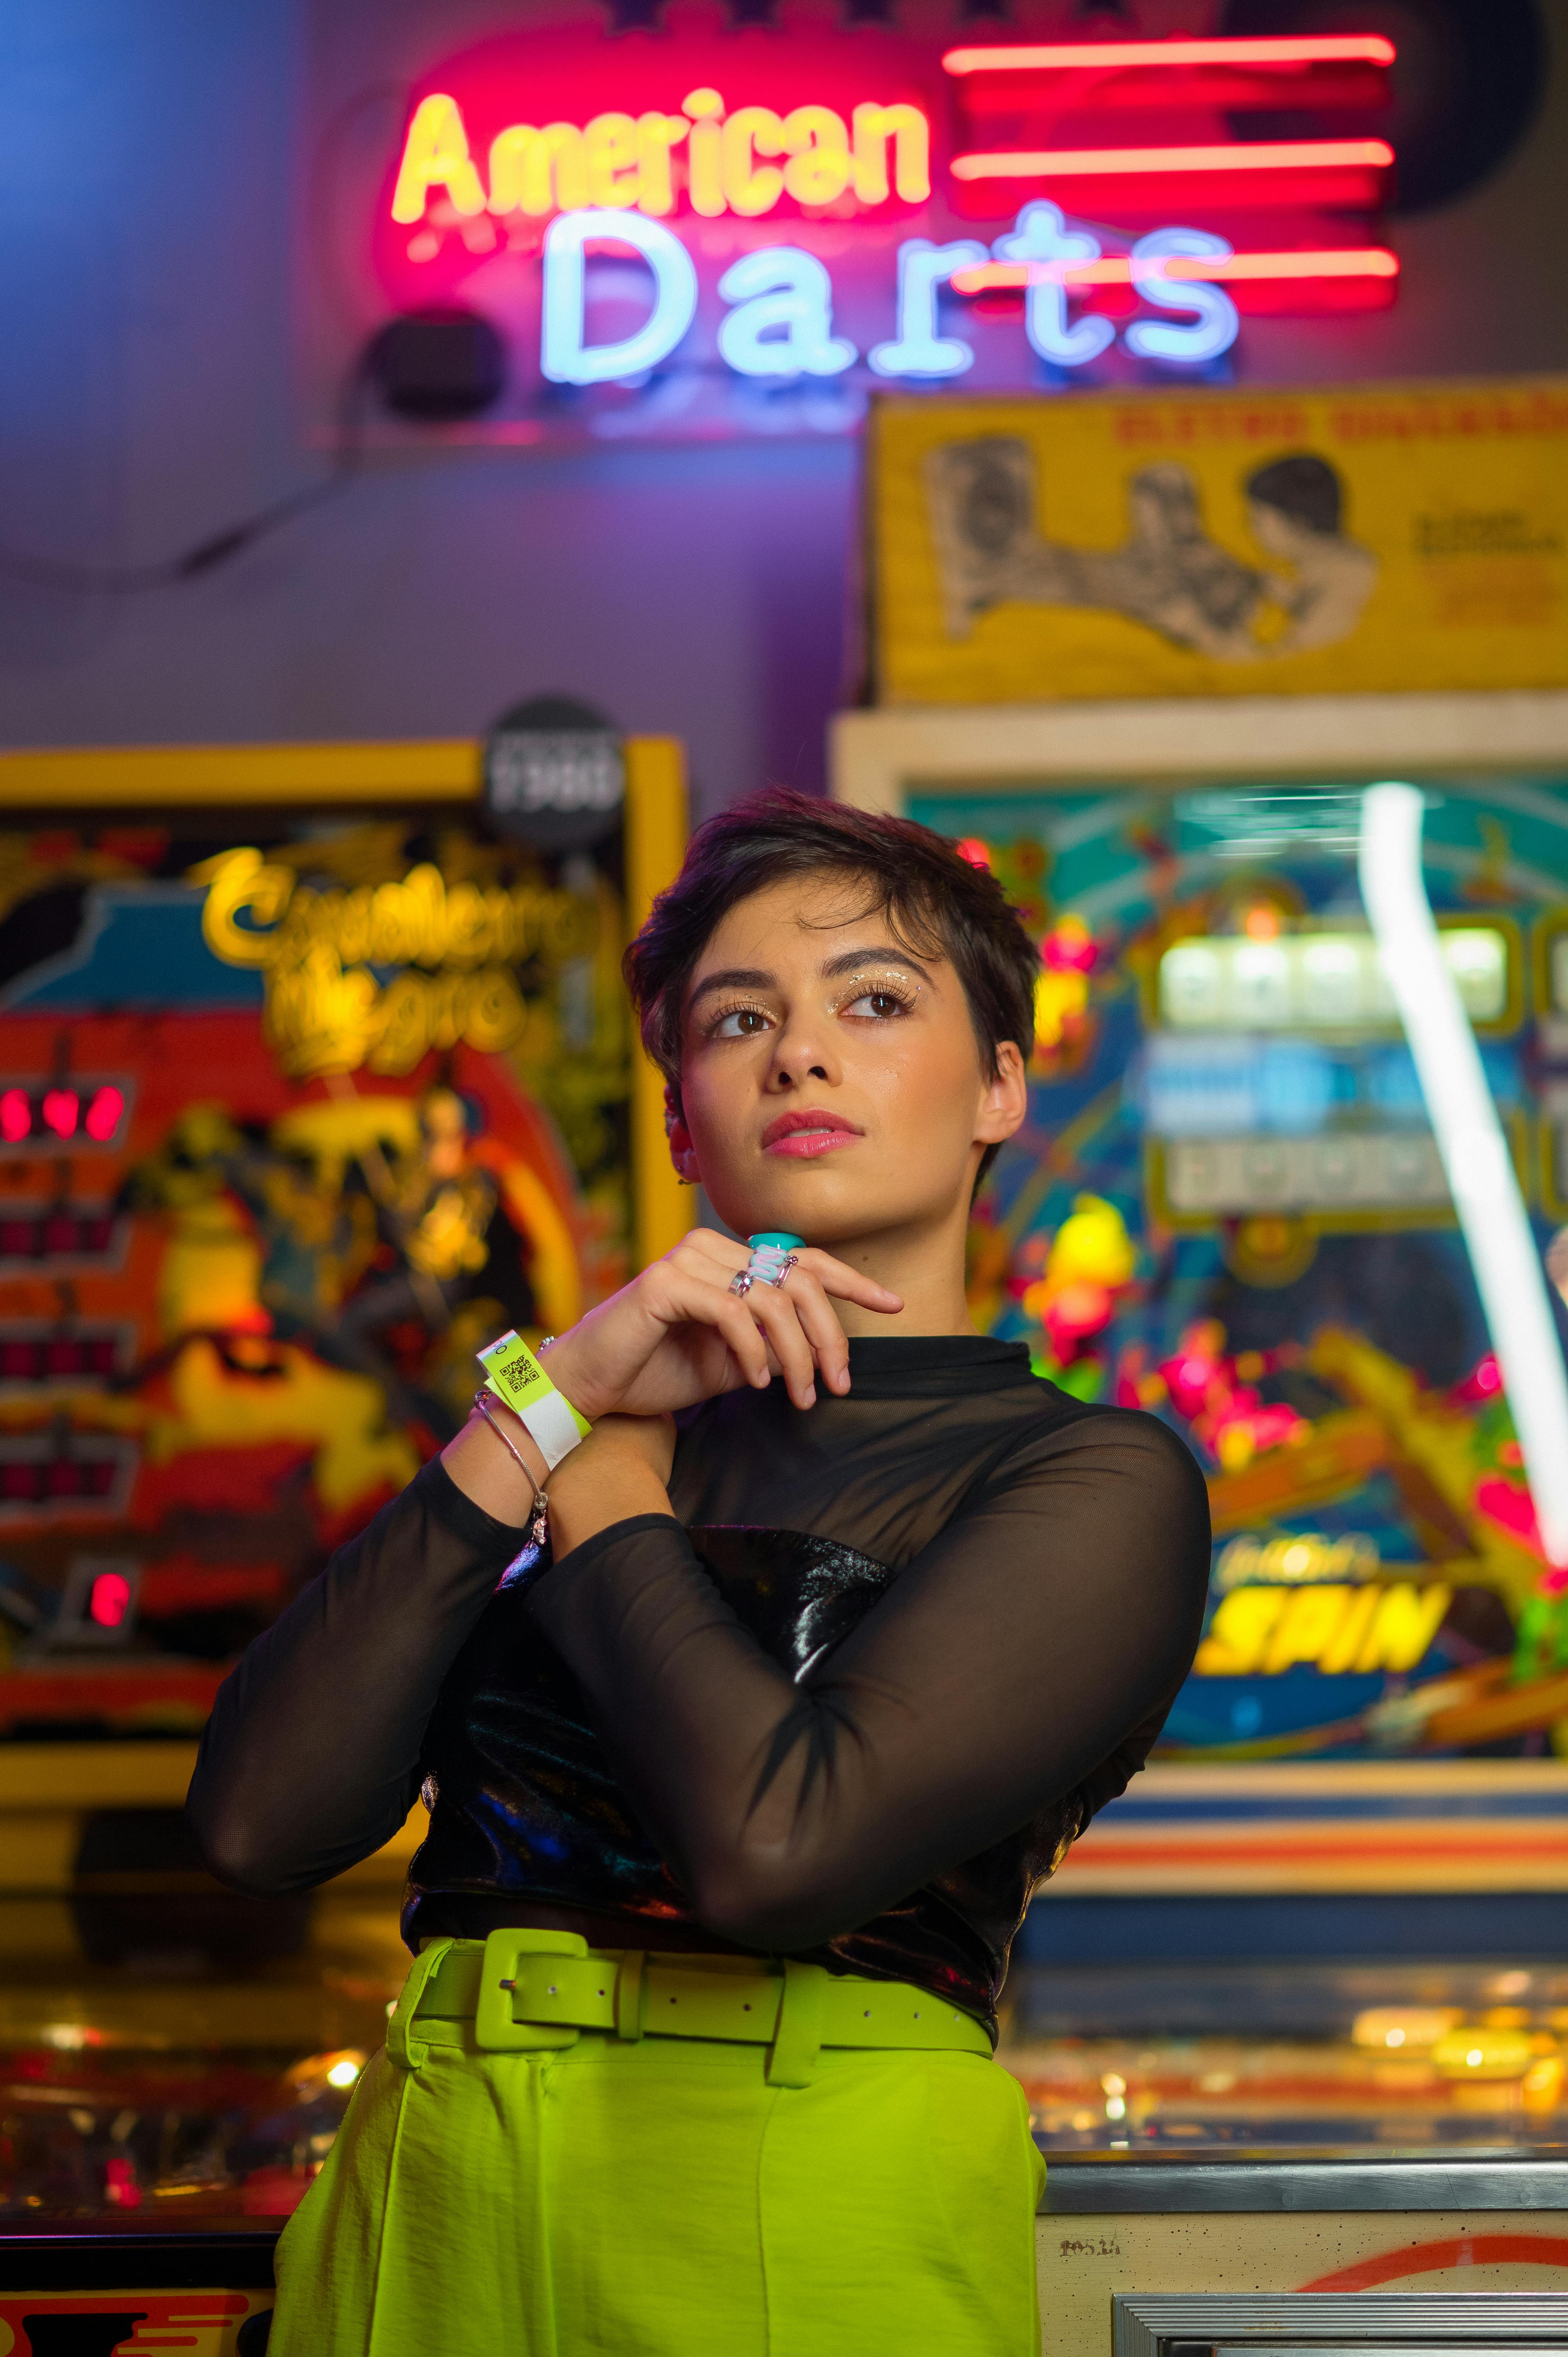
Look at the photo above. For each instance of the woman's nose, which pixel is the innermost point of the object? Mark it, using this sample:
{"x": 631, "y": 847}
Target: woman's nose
{"x": 801, "y": 1051}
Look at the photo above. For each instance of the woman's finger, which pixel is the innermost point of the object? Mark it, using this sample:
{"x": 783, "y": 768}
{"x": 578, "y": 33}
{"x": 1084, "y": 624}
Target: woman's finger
{"x": 705, "y": 1248}
{"x": 779, "y": 1320}
{"x": 819, "y": 1323}
{"x": 847, "y": 1283}
{"x": 747, "y": 1347}
{"x": 701, "y": 1248}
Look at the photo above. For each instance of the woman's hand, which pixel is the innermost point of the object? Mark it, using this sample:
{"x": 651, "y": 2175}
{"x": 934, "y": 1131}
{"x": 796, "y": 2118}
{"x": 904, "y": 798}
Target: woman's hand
{"x": 677, "y": 1334}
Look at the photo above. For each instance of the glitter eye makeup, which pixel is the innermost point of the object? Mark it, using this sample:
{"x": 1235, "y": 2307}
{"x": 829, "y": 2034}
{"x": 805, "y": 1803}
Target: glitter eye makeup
{"x": 884, "y": 997}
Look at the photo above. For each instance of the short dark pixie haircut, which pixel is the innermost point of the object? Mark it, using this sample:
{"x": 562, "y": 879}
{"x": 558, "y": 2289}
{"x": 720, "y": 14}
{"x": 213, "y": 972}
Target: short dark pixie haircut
{"x": 934, "y": 901}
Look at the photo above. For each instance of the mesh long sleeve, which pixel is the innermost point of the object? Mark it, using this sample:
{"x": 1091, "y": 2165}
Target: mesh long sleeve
{"x": 1029, "y": 1647}
{"x": 310, "y": 1760}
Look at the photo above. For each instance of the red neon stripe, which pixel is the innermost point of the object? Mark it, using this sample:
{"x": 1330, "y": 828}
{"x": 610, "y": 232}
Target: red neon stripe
{"x": 1328, "y": 48}
{"x": 1273, "y": 156}
{"x": 1116, "y": 270}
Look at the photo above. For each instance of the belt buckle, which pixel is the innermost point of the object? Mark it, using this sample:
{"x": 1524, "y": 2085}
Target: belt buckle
{"x": 496, "y": 2030}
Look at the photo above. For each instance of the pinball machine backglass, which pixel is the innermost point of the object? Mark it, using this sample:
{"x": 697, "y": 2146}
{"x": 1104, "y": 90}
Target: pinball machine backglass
{"x": 1229, "y": 1207}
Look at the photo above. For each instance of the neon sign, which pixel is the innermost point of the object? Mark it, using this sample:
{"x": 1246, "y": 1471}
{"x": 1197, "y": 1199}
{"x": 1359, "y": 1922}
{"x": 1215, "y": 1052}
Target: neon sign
{"x": 673, "y": 222}
{"x": 618, "y": 161}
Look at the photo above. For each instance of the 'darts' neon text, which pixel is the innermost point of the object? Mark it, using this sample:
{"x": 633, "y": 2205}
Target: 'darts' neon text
{"x": 781, "y": 325}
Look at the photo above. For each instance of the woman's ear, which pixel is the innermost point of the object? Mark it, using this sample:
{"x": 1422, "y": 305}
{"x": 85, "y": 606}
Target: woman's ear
{"x": 682, "y": 1152}
{"x": 1007, "y": 1098}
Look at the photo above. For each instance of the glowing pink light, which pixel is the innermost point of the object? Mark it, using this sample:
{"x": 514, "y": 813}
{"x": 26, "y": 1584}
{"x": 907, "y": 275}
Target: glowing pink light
{"x": 1076, "y": 56}
{"x": 109, "y": 1599}
{"x": 1273, "y": 156}
{"x": 103, "y": 1114}
{"x": 62, "y": 1109}
{"x": 15, "y": 1115}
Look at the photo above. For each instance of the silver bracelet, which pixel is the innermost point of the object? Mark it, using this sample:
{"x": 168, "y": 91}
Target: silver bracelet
{"x": 540, "y": 1506}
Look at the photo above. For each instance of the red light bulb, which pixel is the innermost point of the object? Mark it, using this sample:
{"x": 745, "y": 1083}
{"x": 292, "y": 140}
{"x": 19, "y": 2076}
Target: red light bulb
{"x": 103, "y": 1114}
{"x": 62, "y": 1108}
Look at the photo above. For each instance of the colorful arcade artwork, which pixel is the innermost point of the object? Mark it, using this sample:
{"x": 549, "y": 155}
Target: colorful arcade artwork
{"x": 293, "y": 1113}
{"x": 1230, "y": 1209}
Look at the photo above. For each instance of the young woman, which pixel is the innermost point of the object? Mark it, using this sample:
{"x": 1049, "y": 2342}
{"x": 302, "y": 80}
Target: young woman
{"x": 738, "y": 1788}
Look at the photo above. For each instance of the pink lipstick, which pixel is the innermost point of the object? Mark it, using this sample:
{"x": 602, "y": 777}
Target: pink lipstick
{"x": 803, "y": 1135}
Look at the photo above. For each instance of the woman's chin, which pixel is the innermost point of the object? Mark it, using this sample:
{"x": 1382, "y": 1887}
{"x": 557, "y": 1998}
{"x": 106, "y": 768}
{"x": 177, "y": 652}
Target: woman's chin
{"x": 828, "y": 1207}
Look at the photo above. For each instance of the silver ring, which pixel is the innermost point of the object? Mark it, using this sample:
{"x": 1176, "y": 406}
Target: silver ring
{"x": 742, "y": 1282}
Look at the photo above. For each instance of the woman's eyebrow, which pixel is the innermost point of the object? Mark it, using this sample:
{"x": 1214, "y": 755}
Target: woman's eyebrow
{"x": 880, "y": 954}
{"x": 733, "y": 977}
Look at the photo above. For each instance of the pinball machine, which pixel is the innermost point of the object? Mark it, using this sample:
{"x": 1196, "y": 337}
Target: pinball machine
{"x": 1233, "y": 1205}
{"x": 316, "y": 1067}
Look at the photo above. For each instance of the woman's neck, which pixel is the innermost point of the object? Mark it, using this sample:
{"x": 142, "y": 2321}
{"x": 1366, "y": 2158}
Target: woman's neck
{"x": 924, "y": 1265}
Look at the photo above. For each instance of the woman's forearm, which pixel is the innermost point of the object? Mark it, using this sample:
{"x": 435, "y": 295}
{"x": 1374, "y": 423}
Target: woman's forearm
{"x": 310, "y": 1760}
{"x": 619, "y": 1470}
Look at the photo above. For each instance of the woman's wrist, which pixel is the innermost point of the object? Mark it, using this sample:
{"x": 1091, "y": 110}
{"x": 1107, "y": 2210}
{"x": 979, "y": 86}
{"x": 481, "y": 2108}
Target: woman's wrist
{"x": 480, "y": 1464}
{"x": 565, "y": 1362}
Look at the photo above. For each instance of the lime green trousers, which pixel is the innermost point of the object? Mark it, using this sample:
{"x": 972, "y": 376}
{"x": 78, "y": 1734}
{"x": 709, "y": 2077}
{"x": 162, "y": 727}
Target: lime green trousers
{"x": 640, "y": 2200}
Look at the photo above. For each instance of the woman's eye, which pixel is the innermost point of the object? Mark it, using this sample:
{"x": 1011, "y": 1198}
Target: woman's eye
{"x": 877, "y": 1004}
{"x": 740, "y": 1023}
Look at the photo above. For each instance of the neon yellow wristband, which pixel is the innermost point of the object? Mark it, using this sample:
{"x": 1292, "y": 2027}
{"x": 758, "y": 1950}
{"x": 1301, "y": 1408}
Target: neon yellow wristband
{"x": 520, "y": 1383}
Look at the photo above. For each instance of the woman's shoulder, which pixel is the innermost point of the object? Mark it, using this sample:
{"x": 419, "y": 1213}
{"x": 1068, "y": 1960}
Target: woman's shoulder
{"x": 1120, "y": 1440}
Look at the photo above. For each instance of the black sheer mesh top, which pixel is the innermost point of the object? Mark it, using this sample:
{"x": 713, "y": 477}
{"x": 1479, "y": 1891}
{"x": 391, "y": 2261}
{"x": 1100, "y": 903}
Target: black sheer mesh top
{"x": 854, "y": 1702}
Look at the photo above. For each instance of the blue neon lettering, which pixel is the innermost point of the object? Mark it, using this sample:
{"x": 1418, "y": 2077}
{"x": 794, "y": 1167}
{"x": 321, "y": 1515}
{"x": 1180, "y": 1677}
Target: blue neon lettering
{"x": 564, "y": 356}
{"x": 1216, "y": 323}
{"x": 1040, "y": 234}
{"x": 781, "y": 287}
{"x": 917, "y": 350}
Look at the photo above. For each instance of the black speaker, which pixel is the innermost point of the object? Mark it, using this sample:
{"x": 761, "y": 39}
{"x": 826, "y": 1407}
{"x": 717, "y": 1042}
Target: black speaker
{"x": 438, "y": 365}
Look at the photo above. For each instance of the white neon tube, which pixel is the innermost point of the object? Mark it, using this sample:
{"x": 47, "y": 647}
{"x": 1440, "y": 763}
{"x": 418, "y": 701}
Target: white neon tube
{"x": 1476, "y": 1158}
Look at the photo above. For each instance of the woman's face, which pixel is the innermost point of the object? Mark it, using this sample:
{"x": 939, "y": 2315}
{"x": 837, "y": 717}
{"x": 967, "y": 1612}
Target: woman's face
{"x": 831, "y": 1082}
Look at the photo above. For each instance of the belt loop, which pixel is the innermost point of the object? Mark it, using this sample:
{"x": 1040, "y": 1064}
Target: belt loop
{"x": 631, "y": 1988}
{"x": 798, "y": 2040}
{"x": 406, "y": 2052}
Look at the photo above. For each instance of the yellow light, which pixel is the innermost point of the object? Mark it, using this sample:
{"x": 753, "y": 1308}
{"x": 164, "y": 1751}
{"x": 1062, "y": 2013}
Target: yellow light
{"x": 751, "y": 189}
{"x": 435, "y": 154}
{"x": 1417, "y": 2026}
{"x": 705, "y": 171}
{"x": 911, "y": 134}
{"x": 819, "y": 168}
{"x": 657, "y": 133}
{"x": 539, "y": 172}
{"x": 612, "y": 146}
{"x": 618, "y": 160}
{"x": 1485, "y": 2053}
{"x": 343, "y": 2074}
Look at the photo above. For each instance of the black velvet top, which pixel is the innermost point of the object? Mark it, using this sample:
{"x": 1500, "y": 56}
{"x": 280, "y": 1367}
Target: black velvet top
{"x": 853, "y": 1702}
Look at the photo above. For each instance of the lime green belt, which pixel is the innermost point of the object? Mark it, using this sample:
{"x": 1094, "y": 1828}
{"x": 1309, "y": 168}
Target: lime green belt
{"x": 525, "y": 1989}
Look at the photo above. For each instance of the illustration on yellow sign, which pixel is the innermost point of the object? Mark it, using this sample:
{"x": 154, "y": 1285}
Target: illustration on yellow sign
{"x": 1222, "y": 543}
